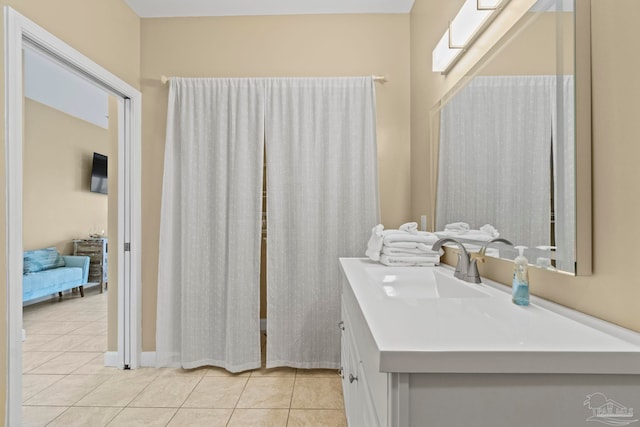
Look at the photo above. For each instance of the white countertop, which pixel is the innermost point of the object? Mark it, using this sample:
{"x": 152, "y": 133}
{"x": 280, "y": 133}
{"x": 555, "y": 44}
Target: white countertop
{"x": 486, "y": 335}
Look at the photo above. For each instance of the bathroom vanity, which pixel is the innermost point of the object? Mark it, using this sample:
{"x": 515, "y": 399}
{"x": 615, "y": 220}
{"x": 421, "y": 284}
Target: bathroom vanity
{"x": 422, "y": 348}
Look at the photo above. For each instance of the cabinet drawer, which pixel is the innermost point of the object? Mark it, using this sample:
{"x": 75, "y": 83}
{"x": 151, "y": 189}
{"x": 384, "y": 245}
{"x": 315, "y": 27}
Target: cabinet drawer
{"x": 94, "y": 258}
{"x": 89, "y": 251}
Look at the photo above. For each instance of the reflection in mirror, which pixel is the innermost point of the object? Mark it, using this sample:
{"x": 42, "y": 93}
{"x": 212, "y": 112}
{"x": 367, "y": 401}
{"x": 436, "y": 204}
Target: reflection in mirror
{"x": 507, "y": 143}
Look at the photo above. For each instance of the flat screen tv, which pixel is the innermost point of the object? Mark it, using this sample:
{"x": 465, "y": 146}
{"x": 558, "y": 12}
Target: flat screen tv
{"x": 99, "y": 174}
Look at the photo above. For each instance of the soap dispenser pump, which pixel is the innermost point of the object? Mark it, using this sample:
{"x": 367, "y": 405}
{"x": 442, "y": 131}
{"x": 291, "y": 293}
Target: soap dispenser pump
{"x": 520, "y": 285}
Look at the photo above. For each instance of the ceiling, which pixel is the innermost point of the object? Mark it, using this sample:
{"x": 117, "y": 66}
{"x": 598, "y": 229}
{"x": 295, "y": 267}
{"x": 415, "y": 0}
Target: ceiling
{"x": 174, "y": 8}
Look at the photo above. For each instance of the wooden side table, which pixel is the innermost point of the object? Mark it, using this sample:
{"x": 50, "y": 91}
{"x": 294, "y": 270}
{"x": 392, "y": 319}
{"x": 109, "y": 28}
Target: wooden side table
{"x": 96, "y": 250}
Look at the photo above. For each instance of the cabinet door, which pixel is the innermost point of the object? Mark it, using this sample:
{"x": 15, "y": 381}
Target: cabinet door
{"x": 359, "y": 406}
{"x": 344, "y": 361}
{"x": 347, "y": 365}
{"x": 366, "y": 407}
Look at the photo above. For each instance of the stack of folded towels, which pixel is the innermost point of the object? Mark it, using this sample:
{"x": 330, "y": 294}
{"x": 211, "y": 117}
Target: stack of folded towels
{"x": 403, "y": 247}
{"x": 461, "y": 229}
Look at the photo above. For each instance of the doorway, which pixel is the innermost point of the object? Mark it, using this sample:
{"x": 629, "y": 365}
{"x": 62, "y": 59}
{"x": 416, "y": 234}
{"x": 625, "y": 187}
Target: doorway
{"x": 124, "y": 245}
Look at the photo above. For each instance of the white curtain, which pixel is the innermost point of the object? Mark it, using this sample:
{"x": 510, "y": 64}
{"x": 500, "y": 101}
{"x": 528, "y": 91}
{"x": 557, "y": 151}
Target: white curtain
{"x": 209, "y": 271}
{"x": 322, "y": 202}
{"x": 495, "y": 157}
{"x": 564, "y": 173}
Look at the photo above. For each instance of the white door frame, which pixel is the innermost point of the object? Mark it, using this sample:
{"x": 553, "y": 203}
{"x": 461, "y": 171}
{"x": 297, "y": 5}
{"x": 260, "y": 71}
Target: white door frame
{"x": 19, "y": 30}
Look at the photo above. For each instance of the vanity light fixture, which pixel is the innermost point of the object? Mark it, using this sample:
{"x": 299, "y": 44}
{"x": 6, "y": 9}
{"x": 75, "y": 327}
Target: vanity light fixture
{"x": 472, "y": 18}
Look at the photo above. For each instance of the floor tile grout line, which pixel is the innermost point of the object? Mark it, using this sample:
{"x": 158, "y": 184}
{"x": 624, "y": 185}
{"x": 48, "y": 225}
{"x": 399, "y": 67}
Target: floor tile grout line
{"x": 57, "y": 416}
{"x": 83, "y": 396}
{"x": 30, "y": 371}
{"x": 235, "y": 406}
{"x": 115, "y": 416}
{"x": 246, "y": 383}
{"x": 172, "y": 416}
{"x": 91, "y": 391}
{"x": 190, "y": 393}
{"x": 139, "y": 393}
{"x": 69, "y": 407}
{"x": 293, "y": 390}
{"x": 62, "y": 353}
{"x": 47, "y": 387}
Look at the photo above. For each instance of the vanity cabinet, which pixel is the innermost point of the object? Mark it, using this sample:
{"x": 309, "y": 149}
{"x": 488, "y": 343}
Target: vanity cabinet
{"x": 443, "y": 361}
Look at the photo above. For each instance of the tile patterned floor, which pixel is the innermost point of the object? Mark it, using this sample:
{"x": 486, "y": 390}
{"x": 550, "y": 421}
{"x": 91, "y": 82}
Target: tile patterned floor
{"x": 66, "y": 384}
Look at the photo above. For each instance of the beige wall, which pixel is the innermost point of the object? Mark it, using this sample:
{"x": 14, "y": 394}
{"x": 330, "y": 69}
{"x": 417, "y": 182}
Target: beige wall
{"x": 106, "y": 31}
{"x": 613, "y": 290}
{"x": 324, "y": 45}
{"x": 533, "y": 49}
{"x": 429, "y": 20}
{"x": 58, "y": 153}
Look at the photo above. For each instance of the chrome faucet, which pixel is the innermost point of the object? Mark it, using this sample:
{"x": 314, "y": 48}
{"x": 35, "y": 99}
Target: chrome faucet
{"x": 467, "y": 267}
{"x": 479, "y": 257}
{"x": 464, "y": 263}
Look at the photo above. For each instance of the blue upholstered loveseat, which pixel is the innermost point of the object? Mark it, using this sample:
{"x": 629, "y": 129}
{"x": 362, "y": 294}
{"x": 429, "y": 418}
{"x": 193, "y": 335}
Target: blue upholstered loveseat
{"x": 46, "y": 272}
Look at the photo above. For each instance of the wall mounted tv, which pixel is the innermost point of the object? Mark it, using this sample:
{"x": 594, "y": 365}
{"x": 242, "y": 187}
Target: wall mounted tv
{"x": 99, "y": 174}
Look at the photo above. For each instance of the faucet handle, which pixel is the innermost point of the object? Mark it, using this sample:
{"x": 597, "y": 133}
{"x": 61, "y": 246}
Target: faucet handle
{"x": 477, "y": 257}
{"x": 473, "y": 275}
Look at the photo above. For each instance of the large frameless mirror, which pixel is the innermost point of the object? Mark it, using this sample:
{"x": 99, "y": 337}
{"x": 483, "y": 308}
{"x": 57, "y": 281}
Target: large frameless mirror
{"x": 506, "y": 141}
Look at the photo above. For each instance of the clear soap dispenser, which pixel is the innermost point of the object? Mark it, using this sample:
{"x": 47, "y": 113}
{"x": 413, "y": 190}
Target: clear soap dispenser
{"x": 520, "y": 285}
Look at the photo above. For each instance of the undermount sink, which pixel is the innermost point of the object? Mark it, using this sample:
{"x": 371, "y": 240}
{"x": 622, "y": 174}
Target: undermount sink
{"x": 422, "y": 283}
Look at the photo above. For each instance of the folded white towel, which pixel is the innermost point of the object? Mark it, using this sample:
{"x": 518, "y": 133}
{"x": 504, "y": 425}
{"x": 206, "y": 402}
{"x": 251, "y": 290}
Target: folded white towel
{"x": 429, "y": 249}
{"x": 409, "y": 227}
{"x": 476, "y": 235}
{"x": 403, "y": 237}
{"x": 470, "y": 235}
{"x": 459, "y": 227}
{"x": 374, "y": 247}
{"x": 386, "y": 250}
{"x": 402, "y": 245}
{"x": 418, "y": 241}
{"x": 490, "y": 230}
{"x": 408, "y": 261}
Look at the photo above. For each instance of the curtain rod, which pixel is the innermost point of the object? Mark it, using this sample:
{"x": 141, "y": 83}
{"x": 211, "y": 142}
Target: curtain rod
{"x": 382, "y": 79}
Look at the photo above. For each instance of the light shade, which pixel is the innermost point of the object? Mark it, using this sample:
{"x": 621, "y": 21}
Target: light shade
{"x": 443, "y": 55}
{"x": 470, "y": 20}
{"x": 467, "y": 22}
{"x": 488, "y": 4}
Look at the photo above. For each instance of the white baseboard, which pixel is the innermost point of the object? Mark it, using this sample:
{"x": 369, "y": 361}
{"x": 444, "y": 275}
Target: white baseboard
{"x": 148, "y": 359}
{"x": 111, "y": 359}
